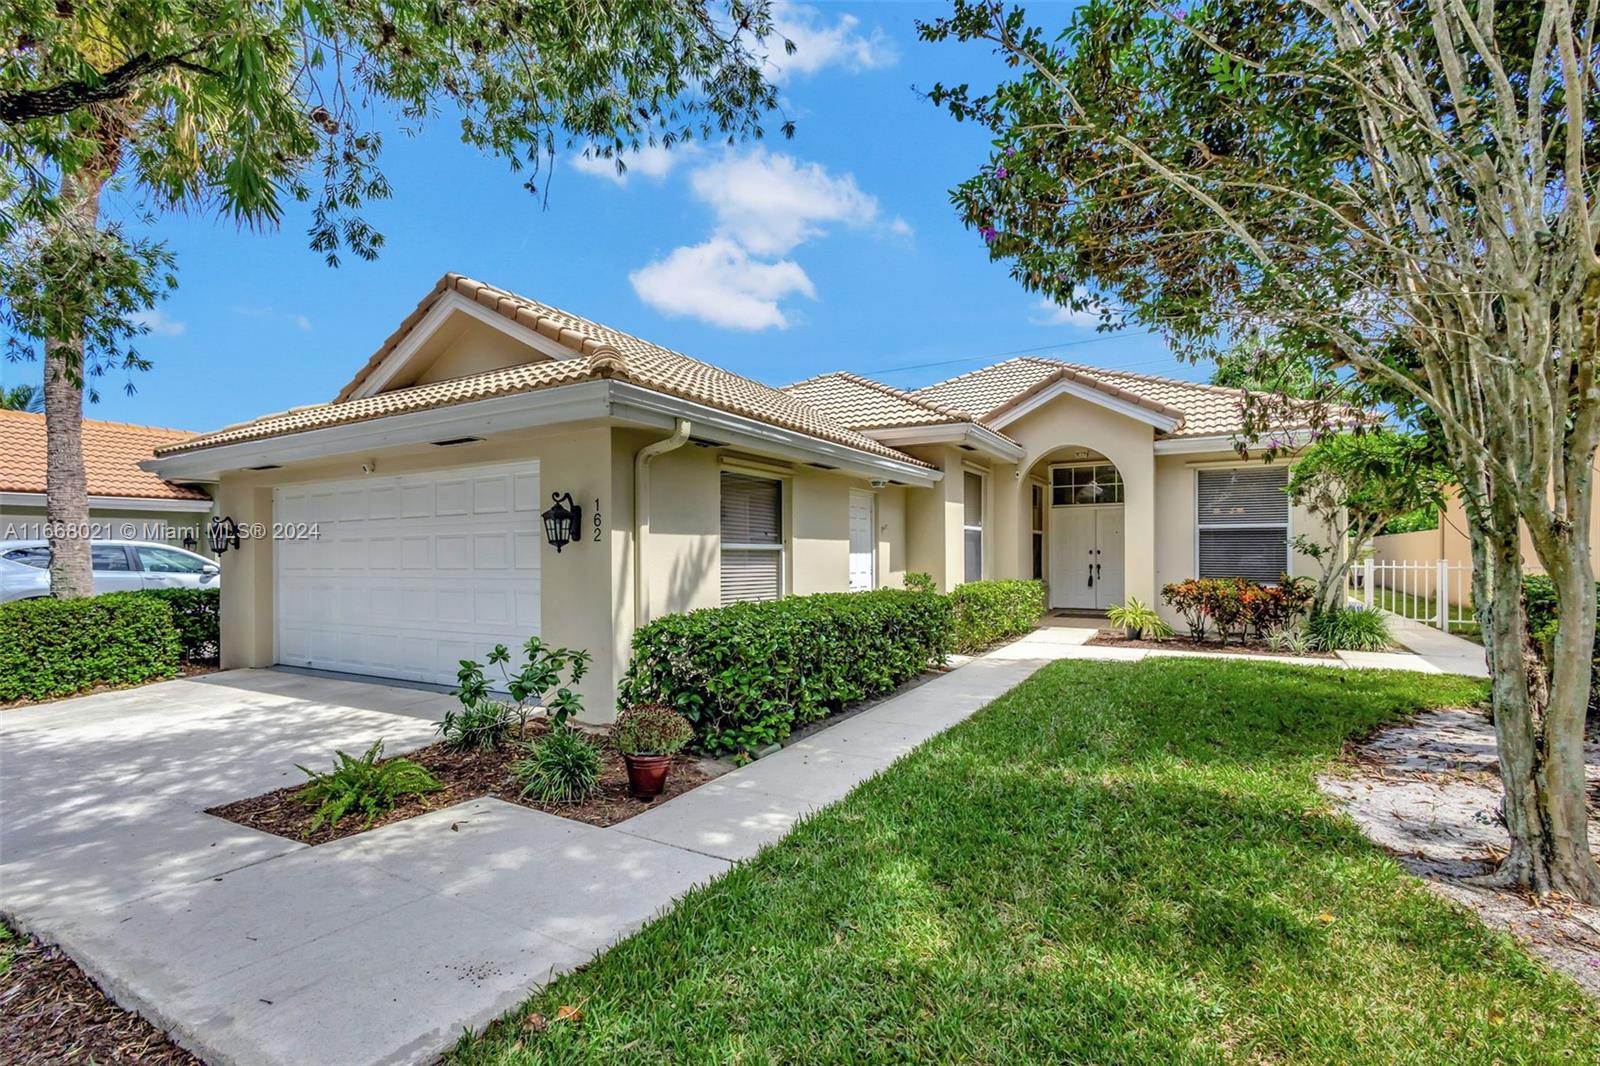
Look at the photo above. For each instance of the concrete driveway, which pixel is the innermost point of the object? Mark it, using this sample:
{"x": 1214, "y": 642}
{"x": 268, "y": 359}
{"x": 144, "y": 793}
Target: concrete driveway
{"x": 250, "y": 948}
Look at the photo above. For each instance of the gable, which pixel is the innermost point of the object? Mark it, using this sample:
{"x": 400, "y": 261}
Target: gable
{"x": 451, "y": 337}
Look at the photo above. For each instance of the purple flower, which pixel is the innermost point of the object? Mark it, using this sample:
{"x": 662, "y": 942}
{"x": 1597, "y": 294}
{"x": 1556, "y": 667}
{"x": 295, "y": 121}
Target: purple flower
{"x": 988, "y": 234}
{"x": 1002, "y": 173}
{"x": 1010, "y": 150}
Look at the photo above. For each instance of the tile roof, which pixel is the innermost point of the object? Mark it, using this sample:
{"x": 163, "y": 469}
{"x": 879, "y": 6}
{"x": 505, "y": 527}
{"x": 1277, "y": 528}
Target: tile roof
{"x": 112, "y": 452}
{"x": 598, "y": 353}
{"x": 861, "y": 403}
{"x": 1204, "y": 410}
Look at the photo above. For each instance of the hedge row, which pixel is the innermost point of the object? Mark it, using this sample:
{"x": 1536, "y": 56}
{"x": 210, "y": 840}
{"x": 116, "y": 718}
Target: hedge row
{"x": 196, "y": 614}
{"x": 988, "y": 612}
{"x": 747, "y": 674}
{"x": 51, "y": 647}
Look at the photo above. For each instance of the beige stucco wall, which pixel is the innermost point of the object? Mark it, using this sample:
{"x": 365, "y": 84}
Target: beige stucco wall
{"x": 1068, "y": 423}
{"x": 587, "y": 589}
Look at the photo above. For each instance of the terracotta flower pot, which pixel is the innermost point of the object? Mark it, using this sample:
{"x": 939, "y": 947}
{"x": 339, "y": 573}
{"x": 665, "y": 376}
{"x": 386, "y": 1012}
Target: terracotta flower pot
{"x": 647, "y": 774}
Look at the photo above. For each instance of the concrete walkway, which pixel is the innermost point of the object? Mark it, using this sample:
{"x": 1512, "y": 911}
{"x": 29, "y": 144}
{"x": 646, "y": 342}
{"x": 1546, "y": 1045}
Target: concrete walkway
{"x": 382, "y": 947}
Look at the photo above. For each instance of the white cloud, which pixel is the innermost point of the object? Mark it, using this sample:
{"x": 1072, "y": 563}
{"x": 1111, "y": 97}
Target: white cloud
{"x": 770, "y": 203}
{"x": 820, "y": 44}
{"x": 718, "y": 282}
{"x": 156, "y": 322}
{"x": 1049, "y": 313}
{"x": 650, "y": 160}
{"x": 303, "y": 323}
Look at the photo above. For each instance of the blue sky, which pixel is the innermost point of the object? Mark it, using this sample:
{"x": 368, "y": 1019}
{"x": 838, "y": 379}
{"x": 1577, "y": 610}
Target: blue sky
{"x": 835, "y": 250}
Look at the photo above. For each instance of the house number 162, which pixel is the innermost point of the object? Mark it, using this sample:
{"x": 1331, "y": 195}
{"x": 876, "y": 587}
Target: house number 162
{"x": 597, "y": 523}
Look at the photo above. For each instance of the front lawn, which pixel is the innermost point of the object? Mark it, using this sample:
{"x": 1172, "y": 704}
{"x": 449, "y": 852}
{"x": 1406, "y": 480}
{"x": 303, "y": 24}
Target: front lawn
{"x": 1112, "y": 863}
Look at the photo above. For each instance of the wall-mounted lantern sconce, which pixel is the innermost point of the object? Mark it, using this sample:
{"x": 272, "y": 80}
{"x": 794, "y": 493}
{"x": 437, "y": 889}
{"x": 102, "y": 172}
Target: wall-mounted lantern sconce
{"x": 223, "y": 533}
{"x": 561, "y": 521}
{"x": 188, "y": 539}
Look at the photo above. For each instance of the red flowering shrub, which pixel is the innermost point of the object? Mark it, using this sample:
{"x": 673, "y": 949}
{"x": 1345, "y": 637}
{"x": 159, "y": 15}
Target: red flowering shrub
{"x": 1237, "y": 607}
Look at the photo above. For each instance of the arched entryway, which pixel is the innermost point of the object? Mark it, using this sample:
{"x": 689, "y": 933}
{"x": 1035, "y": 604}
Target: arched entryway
{"x": 1085, "y": 532}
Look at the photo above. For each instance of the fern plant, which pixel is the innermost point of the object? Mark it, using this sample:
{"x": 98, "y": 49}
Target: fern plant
{"x": 563, "y": 767}
{"x": 1138, "y": 619}
{"x": 362, "y": 785}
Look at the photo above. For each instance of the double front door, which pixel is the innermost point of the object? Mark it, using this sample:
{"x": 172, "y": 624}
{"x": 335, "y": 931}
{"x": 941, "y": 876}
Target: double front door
{"x": 1086, "y": 563}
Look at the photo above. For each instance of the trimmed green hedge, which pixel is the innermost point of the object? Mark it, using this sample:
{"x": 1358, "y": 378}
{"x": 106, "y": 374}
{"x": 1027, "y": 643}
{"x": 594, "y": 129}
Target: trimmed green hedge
{"x": 745, "y": 675}
{"x": 988, "y": 612}
{"x": 51, "y": 647}
{"x": 195, "y": 613}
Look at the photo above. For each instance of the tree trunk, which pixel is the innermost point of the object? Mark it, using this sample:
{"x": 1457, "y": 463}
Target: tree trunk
{"x": 66, "y": 487}
{"x": 1572, "y": 864}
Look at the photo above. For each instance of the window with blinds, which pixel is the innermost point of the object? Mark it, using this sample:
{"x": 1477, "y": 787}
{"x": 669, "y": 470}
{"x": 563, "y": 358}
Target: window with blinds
{"x": 972, "y": 527}
{"x": 752, "y": 538}
{"x": 1242, "y": 523}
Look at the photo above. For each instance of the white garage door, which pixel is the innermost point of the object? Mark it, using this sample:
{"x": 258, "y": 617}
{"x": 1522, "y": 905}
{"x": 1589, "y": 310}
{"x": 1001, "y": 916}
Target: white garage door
{"x": 409, "y": 575}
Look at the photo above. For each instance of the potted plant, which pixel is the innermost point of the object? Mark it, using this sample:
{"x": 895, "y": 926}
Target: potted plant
{"x": 648, "y": 736}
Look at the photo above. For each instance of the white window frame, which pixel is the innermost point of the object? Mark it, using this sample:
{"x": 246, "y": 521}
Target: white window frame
{"x": 1288, "y": 512}
{"x": 872, "y": 500}
{"x": 1043, "y": 489}
{"x": 784, "y": 516}
{"x": 983, "y": 518}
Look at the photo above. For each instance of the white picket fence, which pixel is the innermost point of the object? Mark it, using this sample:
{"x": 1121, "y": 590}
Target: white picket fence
{"x": 1437, "y": 592}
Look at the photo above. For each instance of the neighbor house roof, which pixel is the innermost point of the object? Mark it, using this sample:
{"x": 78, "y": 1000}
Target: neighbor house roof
{"x": 598, "y": 353}
{"x": 861, "y": 403}
{"x": 1201, "y": 410}
{"x": 112, "y": 452}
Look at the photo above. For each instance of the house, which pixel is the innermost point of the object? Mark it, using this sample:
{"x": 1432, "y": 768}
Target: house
{"x": 126, "y": 502}
{"x": 397, "y": 528}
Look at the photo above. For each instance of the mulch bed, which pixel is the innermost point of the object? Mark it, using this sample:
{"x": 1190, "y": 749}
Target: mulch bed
{"x": 467, "y": 775}
{"x": 50, "y": 1012}
{"x": 1114, "y": 638}
{"x": 184, "y": 670}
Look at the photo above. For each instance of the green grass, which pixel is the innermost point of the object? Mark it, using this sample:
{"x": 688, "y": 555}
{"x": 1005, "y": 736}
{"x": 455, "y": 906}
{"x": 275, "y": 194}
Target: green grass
{"x": 1421, "y": 608}
{"x": 1112, "y": 863}
{"x": 6, "y": 950}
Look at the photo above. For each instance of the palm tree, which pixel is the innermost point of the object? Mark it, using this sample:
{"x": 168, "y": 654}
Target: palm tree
{"x": 29, "y": 398}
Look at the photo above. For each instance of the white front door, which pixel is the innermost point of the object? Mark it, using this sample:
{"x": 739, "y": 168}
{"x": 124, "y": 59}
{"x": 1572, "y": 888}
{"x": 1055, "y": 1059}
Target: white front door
{"x": 863, "y": 541}
{"x": 408, "y": 575}
{"x": 1086, "y": 557}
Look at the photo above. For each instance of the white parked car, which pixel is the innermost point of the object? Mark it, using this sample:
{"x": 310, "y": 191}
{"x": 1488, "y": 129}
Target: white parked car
{"x": 119, "y": 566}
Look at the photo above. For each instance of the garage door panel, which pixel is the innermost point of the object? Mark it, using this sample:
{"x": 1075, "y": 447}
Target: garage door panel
{"x": 450, "y": 497}
{"x": 491, "y": 495}
{"x": 420, "y": 572}
{"x": 525, "y": 492}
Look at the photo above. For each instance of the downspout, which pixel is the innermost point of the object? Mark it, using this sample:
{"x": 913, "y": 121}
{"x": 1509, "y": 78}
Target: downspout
{"x": 641, "y": 507}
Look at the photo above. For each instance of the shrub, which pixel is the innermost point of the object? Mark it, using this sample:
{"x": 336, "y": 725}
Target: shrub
{"x": 920, "y": 581}
{"x": 195, "y": 614}
{"x": 1138, "y": 619}
{"x": 651, "y": 729}
{"x": 486, "y": 723}
{"x": 1186, "y": 598}
{"x": 1349, "y": 629}
{"x": 561, "y": 767}
{"x": 1291, "y": 638}
{"x": 1238, "y": 607}
{"x": 988, "y": 612}
{"x": 365, "y": 786}
{"x": 482, "y": 725}
{"x": 51, "y": 647}
{"x": 744, "y": 675}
